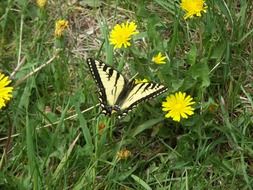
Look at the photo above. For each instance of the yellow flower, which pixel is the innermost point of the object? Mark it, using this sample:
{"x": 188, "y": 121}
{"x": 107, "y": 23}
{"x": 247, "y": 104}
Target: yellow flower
{"x": 41, "y": 3}
{"x": 60, "y": 26}
{"x": 123, "y": 154}
{"x": 137, "y": 81}
{"x": 193, "y": 7}
{"x": 178, "y": 106}
{"x": 159, "y": 59}
{"x": 5, "y": 91}
{"x": 121, "y": 34}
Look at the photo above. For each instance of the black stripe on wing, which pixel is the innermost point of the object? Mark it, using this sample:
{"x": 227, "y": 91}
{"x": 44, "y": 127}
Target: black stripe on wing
{"x": 101, "y": 89}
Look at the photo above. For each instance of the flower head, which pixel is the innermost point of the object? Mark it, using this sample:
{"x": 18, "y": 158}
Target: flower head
{"x": 177, "y": 106}
{"x": 159, "y": 59}
{"x": 5, "y": 91}
{"x": 121, "y": 34}
{"x": 60, "y": 26}
{"x": 123, "y": 154}
{"x": 137, "y": 81}
{"x": 193, "y": 7}
{"x": 41, "y": 3}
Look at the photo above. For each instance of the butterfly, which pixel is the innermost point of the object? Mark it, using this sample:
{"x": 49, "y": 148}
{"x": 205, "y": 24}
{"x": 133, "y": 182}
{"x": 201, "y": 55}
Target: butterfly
{"x": 116, "y": 93}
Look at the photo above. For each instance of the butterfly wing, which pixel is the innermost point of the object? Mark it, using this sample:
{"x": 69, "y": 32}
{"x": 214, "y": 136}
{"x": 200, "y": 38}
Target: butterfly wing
{"x": 138, "y": 93}
{"x": 110, "y": 84}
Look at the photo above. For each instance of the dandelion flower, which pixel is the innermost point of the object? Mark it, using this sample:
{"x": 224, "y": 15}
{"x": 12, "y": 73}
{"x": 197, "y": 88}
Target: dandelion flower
{"x": 5, "y": 90}
{"x": 121, "y": 34}
{"x": 123, "y": 154}
{"x": 41, "y": 3}
{"x": 178, "y": 105}
{"x": 159, "y": 59}
{"x": 60, "y": 26}
{"x": 193, "y": 7}
{"x": 137, "y": 81}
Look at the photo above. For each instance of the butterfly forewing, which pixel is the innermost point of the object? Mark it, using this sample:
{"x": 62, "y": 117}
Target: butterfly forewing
{"x": 110, "y": 82}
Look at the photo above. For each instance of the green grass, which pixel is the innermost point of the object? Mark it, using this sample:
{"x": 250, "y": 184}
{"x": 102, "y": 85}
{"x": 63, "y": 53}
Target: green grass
{"x": 49, "y": 132}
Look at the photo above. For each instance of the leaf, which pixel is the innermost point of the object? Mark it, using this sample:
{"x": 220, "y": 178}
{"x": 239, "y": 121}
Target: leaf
{"x": 123, "y": 175}
{"x": 147, "y": 125}
{"x": 225, "y": 10}
{"x": 167, "y": 5}
{"x": 192, "y": 55}
{"x": 201, "y": 71}
{"x": 62, "y": 164}
{"x": 141, "y": 182}
{"x": 176, "y": 84}
{"x": 218, "y": 51}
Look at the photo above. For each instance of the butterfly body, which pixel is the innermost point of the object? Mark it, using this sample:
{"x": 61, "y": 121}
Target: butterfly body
{"x": 116, "y": 93}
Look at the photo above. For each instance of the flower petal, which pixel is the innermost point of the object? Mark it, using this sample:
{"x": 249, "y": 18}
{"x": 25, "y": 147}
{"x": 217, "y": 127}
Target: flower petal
{"x": 5, "y": 90}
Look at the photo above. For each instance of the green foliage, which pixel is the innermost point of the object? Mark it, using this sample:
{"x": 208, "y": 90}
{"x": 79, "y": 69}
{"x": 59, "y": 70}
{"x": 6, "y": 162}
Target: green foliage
{"x": 52, "y": 134}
